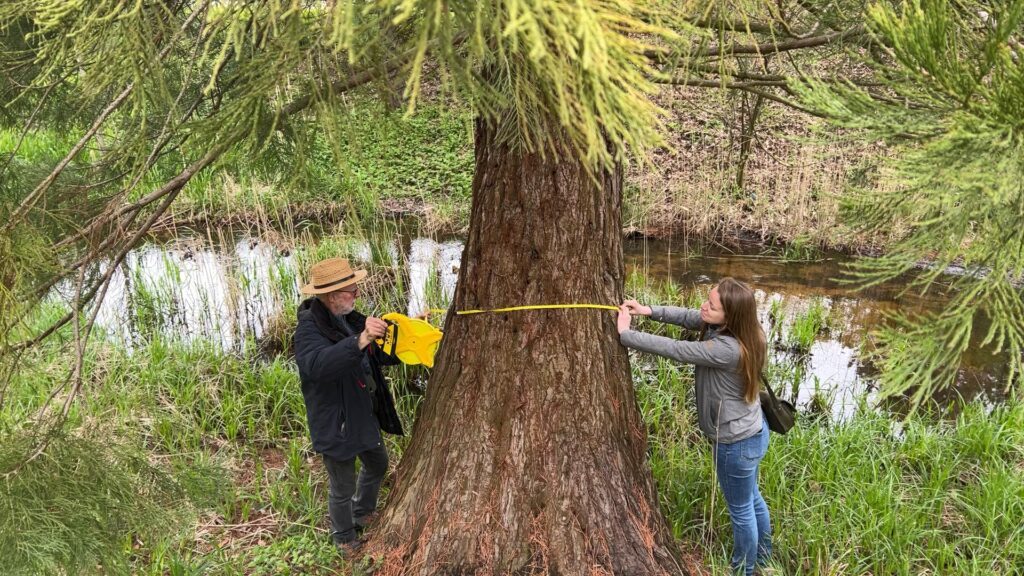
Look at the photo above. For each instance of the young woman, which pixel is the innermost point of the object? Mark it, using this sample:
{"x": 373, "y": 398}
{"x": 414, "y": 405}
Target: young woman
{"x": 727, "y": 363}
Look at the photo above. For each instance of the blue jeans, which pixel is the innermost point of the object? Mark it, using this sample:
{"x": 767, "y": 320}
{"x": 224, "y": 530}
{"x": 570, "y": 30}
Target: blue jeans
{"x": 736, "y": 466}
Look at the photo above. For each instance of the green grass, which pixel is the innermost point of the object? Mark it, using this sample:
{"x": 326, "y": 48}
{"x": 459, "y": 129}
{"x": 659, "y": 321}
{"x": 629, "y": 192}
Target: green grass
{"x": 36, "y": 146}
{"x": 864, "y": 496}
{"x": 806, "y": 326}
{"x": 368, "y": 161}
{"x": 776, "y": 320}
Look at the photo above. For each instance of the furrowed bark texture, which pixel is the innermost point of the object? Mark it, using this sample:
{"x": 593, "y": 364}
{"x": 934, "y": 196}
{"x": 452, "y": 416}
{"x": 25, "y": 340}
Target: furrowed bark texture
{"x": 529, "y": 455}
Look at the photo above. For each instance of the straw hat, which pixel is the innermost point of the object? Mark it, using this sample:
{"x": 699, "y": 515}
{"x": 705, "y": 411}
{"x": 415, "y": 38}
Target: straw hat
{"x": 330, "y": 275}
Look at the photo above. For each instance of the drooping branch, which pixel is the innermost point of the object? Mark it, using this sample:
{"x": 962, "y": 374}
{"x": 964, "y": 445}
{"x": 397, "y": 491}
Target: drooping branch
{"x": 30, "y": 200}
{"x": 121, "y": 216}
{"x": 81, "y": 334}
{"x": 168, "y": 191}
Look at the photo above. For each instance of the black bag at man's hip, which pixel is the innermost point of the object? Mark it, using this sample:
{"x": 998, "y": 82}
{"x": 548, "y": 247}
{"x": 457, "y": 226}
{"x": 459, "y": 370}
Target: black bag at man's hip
{"x": 780, "y": 414}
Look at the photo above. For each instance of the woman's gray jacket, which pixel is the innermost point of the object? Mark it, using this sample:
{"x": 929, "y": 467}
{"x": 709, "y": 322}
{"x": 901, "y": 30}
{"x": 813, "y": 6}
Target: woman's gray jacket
{"x": 723, "y": 413}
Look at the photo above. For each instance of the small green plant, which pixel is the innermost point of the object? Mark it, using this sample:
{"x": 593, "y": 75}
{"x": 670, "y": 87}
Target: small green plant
{"x": 776, "y": 319}
{"x": 302, "y": 553}
{"x": 800, "y": 249}
{"x": 807, "y": 326}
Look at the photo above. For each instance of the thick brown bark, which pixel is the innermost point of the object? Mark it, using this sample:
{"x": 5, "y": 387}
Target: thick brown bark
{"x": 529, "y": 455}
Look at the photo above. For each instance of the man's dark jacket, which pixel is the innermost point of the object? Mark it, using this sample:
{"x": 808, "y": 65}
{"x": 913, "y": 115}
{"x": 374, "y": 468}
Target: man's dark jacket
{"x": 339, "y": 409}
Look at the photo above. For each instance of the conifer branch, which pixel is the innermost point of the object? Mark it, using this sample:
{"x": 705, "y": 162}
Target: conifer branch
{"x": 29, "y": 201}
{"x": 121, "y": 216}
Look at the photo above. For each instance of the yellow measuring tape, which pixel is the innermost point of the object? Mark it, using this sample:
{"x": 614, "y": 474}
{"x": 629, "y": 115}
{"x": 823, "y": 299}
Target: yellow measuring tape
{"x": 415, "y": 341}
{"x": 534, "y": 307}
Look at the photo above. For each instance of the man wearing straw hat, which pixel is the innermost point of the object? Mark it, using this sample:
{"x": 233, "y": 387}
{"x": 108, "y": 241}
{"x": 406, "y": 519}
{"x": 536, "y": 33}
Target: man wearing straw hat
{"x": 347, "y": 399}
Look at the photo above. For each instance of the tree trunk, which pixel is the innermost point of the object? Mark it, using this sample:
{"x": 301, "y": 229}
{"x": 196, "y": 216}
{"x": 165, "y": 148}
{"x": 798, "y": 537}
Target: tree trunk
{"x": 529, "y": 454}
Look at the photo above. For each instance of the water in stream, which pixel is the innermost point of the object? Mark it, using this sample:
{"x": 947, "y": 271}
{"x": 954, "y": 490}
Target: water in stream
{"x": 230, "y": 290}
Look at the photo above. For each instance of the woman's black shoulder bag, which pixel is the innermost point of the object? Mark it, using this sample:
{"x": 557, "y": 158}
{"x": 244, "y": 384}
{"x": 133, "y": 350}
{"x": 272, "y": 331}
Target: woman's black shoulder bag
{"x": 780, "y": 414}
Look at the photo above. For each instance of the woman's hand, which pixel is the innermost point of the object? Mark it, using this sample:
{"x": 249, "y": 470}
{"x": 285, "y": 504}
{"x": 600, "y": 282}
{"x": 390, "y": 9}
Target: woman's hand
{"x": 624, "y": 319}
{"x": 637, "y": 309}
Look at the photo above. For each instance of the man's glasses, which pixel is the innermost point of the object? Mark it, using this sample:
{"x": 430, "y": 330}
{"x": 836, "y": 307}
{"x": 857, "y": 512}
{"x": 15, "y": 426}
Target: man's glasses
{"x": 352, "y": 291}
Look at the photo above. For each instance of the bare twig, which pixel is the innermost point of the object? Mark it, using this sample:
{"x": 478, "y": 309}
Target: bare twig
{"x": 710, "y": 83}
{"x": 776, "y": 47}
{"x": 752, "y": 26}
{"x": 29, "y": 201}
{"x": 769, "y": 47}
{"x": 747, "y": 135}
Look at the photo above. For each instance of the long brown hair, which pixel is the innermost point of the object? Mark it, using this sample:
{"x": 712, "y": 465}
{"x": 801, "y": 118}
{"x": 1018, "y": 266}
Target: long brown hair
{"x": 740, "y": 311}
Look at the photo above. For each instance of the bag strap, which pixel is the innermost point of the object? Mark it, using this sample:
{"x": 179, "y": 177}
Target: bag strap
{"x": 768, "y": 387}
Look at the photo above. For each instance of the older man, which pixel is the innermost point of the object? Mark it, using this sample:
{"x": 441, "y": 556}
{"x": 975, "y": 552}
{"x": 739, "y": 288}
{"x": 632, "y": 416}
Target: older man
{"x": 347, "y": 399}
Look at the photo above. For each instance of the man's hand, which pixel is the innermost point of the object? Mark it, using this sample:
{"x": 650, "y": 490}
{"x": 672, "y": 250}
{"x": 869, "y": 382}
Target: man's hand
{"x": 375, "y": 328}
{"x": 637, "y": 309}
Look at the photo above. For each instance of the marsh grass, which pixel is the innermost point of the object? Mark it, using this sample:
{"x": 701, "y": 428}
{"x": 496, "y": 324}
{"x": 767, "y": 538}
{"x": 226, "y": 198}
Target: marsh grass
{"x": 776, "y": 320}
{"x": 807, "y": 326}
